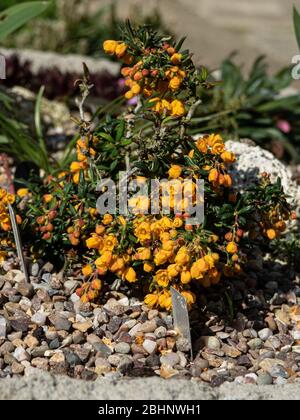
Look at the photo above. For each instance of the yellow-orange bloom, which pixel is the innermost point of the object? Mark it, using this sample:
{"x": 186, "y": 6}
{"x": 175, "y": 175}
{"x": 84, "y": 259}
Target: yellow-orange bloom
{"x": 22, "y": 192}
{"x": 189, "y": 297}
{"x": 228, "y": 157}
{"x": 201, "y": 145}
{"x": 218, "y": 148}
{"x": 213, "y": 175}
{"x": 176, "y": 58}
{"x": 94, "y": 242}
{"x": 175, "y": 83}
{"x": 110, "y": 46}
{"x": 148, "y": 267}
{"x": 107, "y": 219}
{"x": 151, "y": 299}
{"x": 162, "y": 278}
{"x": 173, "y": 270}
{"x": 47, "y": 198}
{"x": 175, "y": 171}
{"x": 143, "y": 254}
{"x": 185, "y": 277}
{"x": 130, "y": 275}
{"x": 177, "y": 108}
{"x": 231, "y": 247}
{"x": 120, "y": 50}
{"x": 87, "y": 270}
{"x": 271, "y": 234}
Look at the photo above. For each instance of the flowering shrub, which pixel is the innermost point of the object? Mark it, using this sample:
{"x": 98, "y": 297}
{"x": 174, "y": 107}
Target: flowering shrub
{"x": 150, "y": 141}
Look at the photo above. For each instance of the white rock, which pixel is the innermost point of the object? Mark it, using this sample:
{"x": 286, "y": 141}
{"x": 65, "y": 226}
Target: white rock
{"x": 296, "y": 334}
{"x": 150, "y": 346}
{"x": 39, "y": 318}
{"x": 265, "y": 333}
{"x": 253, "y": 160}
{"x": 21, "y": 354}
{"x": 124, "y": 301}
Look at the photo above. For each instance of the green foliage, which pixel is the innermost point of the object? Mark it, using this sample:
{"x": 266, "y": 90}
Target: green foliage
{"x": 80, "y": 31}
{"x": 296, "y": 17}
{"x": 16, "y": 16}
{"x": 251, "y": 106}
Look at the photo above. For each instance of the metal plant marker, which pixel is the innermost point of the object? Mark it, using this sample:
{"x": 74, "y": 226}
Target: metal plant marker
{"x": 181, "y": 317}
{"x": 18, "y": 242}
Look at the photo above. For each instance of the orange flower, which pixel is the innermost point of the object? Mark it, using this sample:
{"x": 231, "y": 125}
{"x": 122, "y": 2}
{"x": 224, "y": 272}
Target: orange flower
{"x": 120, "y": 50}
{"x": 271, "y": 234}
{"x": 176, "y": 58}
{"x": 87, "y": 270}
{"x": 110, "y": 46}
{"x": 231, "y": 247}
{"x": 130, "y": 275}
{"x": 177, "y": 108}
{"x": 175, "y": 171}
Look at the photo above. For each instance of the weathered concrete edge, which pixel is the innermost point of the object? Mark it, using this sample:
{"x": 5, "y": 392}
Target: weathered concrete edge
{"x": 66, "y": 63}
{"x": 43, "y": 386}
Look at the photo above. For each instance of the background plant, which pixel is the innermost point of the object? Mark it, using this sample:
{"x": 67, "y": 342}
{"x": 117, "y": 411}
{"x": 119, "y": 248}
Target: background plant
{"x": 252, "y": 106}
{"x": 69, "y": 26}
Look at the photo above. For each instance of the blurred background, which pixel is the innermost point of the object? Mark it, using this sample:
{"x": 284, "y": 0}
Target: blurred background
{"x": 214, "y": 28}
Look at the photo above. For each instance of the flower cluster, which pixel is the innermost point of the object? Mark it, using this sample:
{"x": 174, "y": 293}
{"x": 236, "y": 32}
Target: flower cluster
{"x": 154, "y": 251}
{"x": 5, "y": 199}
{"x": 159, "y": 72}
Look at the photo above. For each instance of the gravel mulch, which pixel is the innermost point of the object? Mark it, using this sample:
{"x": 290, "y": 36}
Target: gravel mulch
{"x": 246, "y": 330}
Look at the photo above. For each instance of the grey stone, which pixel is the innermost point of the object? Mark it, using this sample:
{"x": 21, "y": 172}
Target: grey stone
{"x": 122, "y": 347}
{"x": 70, "y": 286}
{"x": 17, "y": 368}
{"x": 54, "y": 344}
{"x": 278, "y": 371}
{"x": 211, "y": 342}
{"x": 268, "y": 364}
{"x": 78, "y": 337}
{"x": 34, "y": 269}
{"x": 20, "y": 323}
{"x": 39, "y": 318}
{"x": 40, "y": 363}
{"x": 126, "y": 363}
{"x": 114, "y": 324}
{"x": 273, "y": 342}
{"x": 183, "y": 344}
{"x": 153, "y": 360}
{"x": 39, "y": 351}
{"x": 83, "y": 353}
{"x": 102, "y": 349}
{"x": 102, "y": 366}
{"x": 20, "y": 354}
{"x": 148, "y": 326}
{"x": 25, "y": 289}
{"x": 169, "y": 359}
{"x": 47, "y": 277}
{"x": 264, "y": 379}
{"x": 61, "y": 323}
{"x": 73, "y": 359}
{"x": 255, "y": 343}
{"x": 265, "y": 333}
{"x": 160, "y": 332}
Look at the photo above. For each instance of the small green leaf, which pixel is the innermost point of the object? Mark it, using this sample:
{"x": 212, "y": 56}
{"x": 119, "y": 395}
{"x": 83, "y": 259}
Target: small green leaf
{"x": 296, "y": 17}
{"x": 16, "y": 16}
